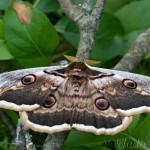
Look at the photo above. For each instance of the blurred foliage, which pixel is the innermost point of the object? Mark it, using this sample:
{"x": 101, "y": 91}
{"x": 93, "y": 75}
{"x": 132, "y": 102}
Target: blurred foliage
{"x": 50, "y": 35}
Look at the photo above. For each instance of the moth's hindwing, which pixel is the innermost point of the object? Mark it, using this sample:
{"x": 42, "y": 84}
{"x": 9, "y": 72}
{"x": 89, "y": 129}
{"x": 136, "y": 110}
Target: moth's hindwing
{"x": 90, "y": 99}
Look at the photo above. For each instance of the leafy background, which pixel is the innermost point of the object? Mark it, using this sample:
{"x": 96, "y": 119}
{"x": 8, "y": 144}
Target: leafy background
{"x": 50, "y": 35}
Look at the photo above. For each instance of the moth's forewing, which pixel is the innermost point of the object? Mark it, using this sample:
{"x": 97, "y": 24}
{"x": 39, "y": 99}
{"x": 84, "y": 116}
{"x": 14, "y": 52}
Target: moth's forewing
{"x": 17, "y": 95}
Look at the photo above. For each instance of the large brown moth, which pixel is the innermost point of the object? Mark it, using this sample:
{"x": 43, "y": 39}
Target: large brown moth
{"x": 59, "y": 98}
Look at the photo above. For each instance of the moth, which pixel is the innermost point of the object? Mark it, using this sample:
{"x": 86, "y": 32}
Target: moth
{"x": 58, "y": 98}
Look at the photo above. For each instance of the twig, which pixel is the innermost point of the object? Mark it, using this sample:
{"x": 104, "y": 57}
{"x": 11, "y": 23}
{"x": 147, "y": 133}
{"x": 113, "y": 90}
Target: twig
{"x": 29, "y": 143}
{"x": 18, "y": 134}
{"x": 55, "y": 141}
{"x": 86, "y": 5}
{"x": 136, "y": 53}
{"x": 87, "y": 24}
{"x": 20, "y": 138}
{"x": 23, "y": 138}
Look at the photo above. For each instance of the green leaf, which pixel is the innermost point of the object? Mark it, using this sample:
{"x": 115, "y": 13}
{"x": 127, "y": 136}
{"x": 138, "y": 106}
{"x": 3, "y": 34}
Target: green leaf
{"x": 72, "y": 38}
{"x": 135, "y": 15}
{"x": 109, "y": 27}
{"x": 4, "y": 53}
{"x": 129, "y": 39}
{"x": 105, "y": 50}
{"x": 1, "y": 29}
{"x": 69, "y": 31}
{"x": 87, "y": 148}
{"x": 4, "y": 145}
{"x": 4, "y": 4}
{"x": 108, "y": 43}
{"x": 130, "y": 143}
{"x": 137, "y": 135}
{"x": 127, "y": 144}
{"x": 142, "y": 132}
{"x": 31, "y": 42}
{"x": 48, "y": 6}
{"x": 12, "y": 115}
{"x": 134, "y": 124}
{"x": 84, "y": 138}
{"x": 112, "y": 6}
{"x": 61, "y": 24}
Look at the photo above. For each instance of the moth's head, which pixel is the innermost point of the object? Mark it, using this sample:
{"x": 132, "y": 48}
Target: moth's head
{"x": 77, "y": 69}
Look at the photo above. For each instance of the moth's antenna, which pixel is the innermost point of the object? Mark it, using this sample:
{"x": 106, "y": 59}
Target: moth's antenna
{"x": 71, "y": 58}
{"x": 89, "y": 62}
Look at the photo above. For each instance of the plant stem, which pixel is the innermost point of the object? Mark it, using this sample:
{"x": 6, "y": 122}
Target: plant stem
{"x": 55, "y": 141}
{"x": 23, "y": 138}
{"x": 136, "y": 53}
{"x": 87, "y": 24}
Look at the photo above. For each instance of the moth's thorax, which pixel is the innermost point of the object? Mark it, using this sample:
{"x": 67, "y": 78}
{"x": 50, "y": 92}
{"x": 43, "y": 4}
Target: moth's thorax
{"x": 77, "y": 73}
{"x": 77, "y": 77}
{"x": 77, "y": 84}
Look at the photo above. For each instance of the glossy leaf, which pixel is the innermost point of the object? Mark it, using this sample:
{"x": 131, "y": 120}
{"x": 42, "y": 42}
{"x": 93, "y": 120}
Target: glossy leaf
{"x": 5, "y": 145}
{"x": 4, "y": 52}
{"x": 112, "y": 6}
{"x": 108, "y": 43}
{"x": 105, "y": 50}
{"x": 87, "y": 148}
{"x": 48, "y": 6}
{"x": 72, "y": 37}
{"x": 13, "y": 116}
{"x": 1, "y": 29}
{"x": 139, "y": 133}
{"x": 84, "y": 138}
{"x": 4, "y": 4}
{"x": 31, "y": 43}
{"x": 135, "y": 15}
